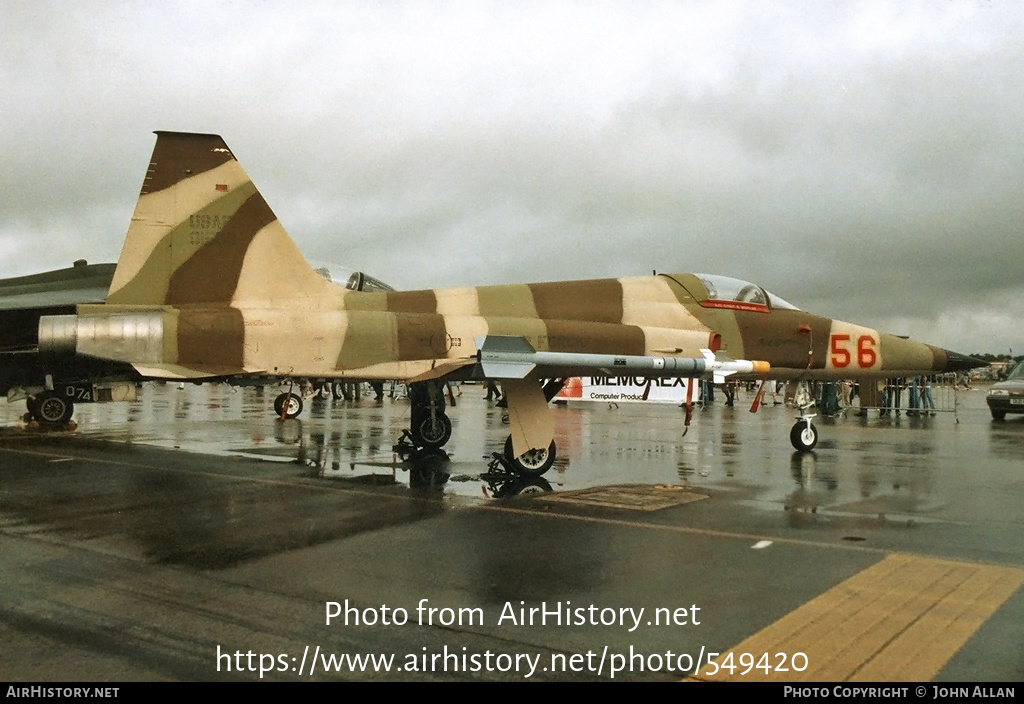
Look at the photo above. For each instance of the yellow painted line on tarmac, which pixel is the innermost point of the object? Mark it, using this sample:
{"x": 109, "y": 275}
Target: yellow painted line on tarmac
{"x": 901, "y": 619}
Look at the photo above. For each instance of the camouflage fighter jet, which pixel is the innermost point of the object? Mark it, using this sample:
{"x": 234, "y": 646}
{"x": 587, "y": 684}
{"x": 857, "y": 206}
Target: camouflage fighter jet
{"x": 210, "y": 286}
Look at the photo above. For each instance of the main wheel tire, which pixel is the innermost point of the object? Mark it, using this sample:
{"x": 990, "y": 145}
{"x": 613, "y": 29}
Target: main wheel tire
{"x": 998, "y": 415}
{"x": 52, "y": 408}
{"x": 436, "y": 432}
{"x": 532, "y": 463}
{"x": 288, "y": 405}
{"x": 804, "y": 436}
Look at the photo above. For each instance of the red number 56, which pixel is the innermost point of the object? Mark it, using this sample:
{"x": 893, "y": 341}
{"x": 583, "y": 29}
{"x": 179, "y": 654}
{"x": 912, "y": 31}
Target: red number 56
{"x": 839, "y": 348}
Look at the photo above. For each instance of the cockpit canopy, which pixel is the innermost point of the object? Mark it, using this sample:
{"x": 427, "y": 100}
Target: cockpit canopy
{"x": 354, "y": 280}
{"x": 725, "y": 290}
{"x": 359, "y": 281}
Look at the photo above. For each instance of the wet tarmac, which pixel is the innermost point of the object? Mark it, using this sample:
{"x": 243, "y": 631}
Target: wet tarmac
{"x": 170, "y": 537}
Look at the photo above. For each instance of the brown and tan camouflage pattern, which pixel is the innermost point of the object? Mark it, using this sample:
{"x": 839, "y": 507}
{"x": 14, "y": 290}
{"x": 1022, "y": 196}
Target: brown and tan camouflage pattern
{"x": 206, "y": 252}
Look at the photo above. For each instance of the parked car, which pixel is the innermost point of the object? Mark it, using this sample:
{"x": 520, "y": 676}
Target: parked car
{"x": 1007, "y": 396}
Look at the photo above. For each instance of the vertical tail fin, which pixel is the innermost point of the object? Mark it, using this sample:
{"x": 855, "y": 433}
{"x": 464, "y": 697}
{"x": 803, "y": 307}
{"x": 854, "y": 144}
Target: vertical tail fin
{"x": 202, "y": 234}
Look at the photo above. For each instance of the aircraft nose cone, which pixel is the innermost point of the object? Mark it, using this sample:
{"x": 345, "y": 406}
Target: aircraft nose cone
{"x": 956, "y": 362}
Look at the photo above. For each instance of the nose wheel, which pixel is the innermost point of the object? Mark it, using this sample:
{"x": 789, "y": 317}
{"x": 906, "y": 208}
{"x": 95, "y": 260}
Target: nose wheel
{"x": 804, "y": 435}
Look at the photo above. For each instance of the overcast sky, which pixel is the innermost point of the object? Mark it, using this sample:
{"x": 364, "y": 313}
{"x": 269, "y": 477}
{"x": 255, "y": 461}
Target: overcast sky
{"x": 863, "y": 160}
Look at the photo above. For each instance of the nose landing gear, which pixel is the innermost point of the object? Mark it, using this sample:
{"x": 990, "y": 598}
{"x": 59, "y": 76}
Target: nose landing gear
{"x": 804, "y": 435}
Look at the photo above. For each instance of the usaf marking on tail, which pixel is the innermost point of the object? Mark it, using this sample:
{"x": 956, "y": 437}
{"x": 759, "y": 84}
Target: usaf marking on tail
{"x": 210, "y": 286}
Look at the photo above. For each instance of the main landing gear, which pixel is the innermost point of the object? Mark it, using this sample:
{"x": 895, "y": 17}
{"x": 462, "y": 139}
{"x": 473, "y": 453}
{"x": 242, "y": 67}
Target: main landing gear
{"x": 50, "y": 408}
{"x": 537, "y": 461}
{"x": 532, "y": 463}
{"x": 288, "y": 405}
{"x": 431, "y": 428}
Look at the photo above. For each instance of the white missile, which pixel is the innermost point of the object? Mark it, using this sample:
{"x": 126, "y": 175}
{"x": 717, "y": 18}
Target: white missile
{"x": 504, "y": 357}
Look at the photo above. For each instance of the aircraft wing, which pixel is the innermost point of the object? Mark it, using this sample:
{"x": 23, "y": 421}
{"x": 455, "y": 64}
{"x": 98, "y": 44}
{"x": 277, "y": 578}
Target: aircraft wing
{"x": 52, "y": 299}
{"x": 24, "y": 299}
{"x": 177, "y": 371}
{"x": 442, "y": 370}
{"x": 84, "y": 283}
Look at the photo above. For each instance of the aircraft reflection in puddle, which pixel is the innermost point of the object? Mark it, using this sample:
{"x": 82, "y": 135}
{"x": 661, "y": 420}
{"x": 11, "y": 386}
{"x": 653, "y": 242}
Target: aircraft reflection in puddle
{"x": 429, "y": 469}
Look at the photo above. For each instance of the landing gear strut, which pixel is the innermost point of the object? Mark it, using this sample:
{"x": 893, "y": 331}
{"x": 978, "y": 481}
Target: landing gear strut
{"x": 803, "y": 435}
{"x": 530, "y": 417}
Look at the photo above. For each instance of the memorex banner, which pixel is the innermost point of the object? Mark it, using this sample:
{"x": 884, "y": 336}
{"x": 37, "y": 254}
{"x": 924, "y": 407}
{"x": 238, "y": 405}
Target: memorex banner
{"x": 619, "y": 389}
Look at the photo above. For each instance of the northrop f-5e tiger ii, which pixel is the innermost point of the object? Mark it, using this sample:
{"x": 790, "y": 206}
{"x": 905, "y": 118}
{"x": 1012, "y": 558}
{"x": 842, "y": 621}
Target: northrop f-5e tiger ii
{"x": 209, "y": 286}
